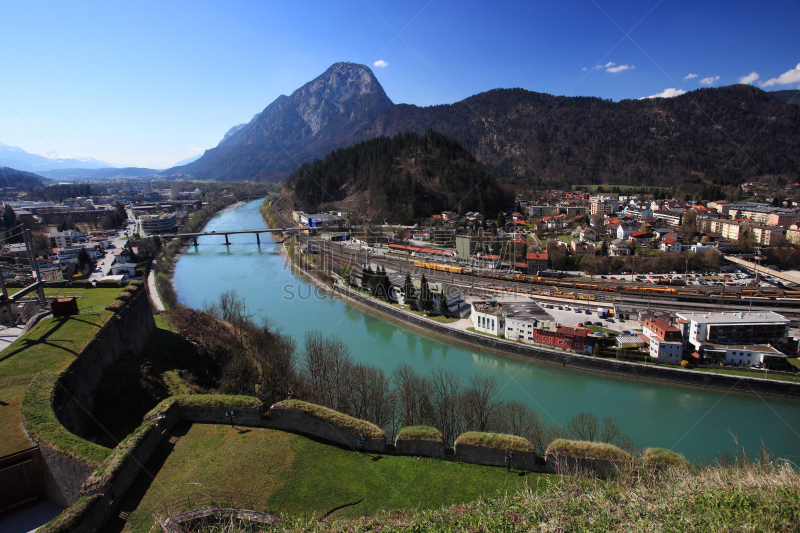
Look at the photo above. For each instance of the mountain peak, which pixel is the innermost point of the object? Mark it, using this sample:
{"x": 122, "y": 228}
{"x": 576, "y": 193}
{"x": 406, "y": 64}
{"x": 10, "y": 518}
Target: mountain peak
{"x": 295, "y": 128}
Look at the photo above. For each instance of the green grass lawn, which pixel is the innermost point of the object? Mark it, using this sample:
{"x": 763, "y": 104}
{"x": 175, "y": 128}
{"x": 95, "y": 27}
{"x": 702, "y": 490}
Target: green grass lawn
{"x": 304, "y": 477}
{"x": 595, "y": 329}
{"x": 86, "y": 297}
{"x": 48, "y": 347}
{"x": 750, "y": 374}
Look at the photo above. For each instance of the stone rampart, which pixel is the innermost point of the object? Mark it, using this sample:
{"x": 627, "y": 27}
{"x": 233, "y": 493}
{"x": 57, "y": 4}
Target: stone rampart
{"x": 288, "y": 419}
{"x": 587, "y": 466}
{"x": 489, "y": 456}
{"x": 73, "y": 396}
{"x": 420, "y": 448}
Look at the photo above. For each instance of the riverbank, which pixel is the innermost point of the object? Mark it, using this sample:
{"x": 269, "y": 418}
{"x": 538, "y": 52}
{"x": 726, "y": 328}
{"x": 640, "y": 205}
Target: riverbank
{"x": 628, "y": 370}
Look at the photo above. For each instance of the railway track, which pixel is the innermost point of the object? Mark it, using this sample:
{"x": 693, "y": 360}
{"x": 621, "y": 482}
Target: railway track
{"x": 342, "y": 255}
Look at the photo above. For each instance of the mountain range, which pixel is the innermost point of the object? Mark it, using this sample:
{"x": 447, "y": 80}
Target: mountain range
{"x": 16, "y": 157}
{"x": 730, "y": 133}
{"x": 19, "y": 179}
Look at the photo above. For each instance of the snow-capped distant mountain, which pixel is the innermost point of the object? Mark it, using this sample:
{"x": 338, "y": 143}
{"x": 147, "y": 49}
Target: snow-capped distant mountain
{"x": 16, "y": 157}
{"x": 188, "y": 160}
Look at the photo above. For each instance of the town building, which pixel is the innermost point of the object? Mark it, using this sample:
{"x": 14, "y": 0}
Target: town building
{"x": 487, "y": 317}
{"x": 751, "y": 339}
{"x": 580, "y": 248}
{"x": 158, "y": 224}
{"x": 537, "y": 262}
{"x": 666, "y": 342}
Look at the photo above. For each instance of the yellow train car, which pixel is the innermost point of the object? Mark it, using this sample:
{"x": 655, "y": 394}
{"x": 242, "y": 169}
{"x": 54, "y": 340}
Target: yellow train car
{"x": 438, "y": 266}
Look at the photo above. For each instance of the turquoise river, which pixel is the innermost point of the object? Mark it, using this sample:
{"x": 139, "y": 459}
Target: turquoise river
{"x": 696, "y": 422}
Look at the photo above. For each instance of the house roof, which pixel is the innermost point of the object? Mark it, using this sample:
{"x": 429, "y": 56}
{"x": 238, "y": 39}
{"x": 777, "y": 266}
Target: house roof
{"x": 637, "y": 234}
{"x": 534, "y": 256}
{"x": 670, "y": 240}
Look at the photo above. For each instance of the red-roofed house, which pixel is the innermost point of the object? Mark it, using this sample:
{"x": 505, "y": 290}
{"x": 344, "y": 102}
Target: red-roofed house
{"x": 641, "y": 236}
{"x": 536, "y": 262}
{"x": 670, "y": 244}
{"x": 566, "y": 338}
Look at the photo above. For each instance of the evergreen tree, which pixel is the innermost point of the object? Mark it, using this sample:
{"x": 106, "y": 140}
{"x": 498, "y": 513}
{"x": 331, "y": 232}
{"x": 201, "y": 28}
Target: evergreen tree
{"x": 410, "y": 292}
{"x": 501, "y": 220}
{"x": 84, "y": 260}
{"x": 9, "y": 217}
{"x": 425, "y": 296}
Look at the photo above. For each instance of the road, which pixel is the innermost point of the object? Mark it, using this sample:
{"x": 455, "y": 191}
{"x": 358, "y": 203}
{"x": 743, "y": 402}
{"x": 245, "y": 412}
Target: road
{"x": 103, "y": 265}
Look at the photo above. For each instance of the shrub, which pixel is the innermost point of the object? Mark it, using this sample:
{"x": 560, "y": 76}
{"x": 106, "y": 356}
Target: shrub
{"x": 124, "y": 296}
{"x": 341, "y": 420}
{"x": 71, "y": 518}
{"x": 664, "y": 457}
{"x": 421, "y": 433}
{"x": 116, "y": 306}
{"x": 109, "y": 283}
{"x": 584, "y": 449}
{"x": 494, "y": 440}
{"x": 83, "y": 283}
{"x": 684, "y": 363}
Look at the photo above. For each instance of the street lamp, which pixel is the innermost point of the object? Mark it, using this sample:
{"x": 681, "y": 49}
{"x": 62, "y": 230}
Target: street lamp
{"x": 229, "y": 416}
{"x": 509, "y": 458}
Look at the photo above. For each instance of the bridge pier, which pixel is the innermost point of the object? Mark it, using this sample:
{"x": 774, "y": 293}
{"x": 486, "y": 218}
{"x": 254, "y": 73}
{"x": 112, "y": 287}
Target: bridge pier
{"x": 258, "y": 238}
{"x": 227, "y": 242}
{"x": 195, "y": 241}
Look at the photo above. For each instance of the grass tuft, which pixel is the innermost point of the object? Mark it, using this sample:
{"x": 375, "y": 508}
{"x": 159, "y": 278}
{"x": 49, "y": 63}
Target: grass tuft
{"x": 420, "y": 433}
{"x": 495, "y": 440}
{"x": 584, "y": 449}
{"x": 664, "y": 457}
{"x": 340, "y": 420}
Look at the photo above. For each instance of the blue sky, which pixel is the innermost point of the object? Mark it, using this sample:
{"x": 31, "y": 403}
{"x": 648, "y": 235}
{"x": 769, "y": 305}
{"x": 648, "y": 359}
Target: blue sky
{"x": 147, "y": 84}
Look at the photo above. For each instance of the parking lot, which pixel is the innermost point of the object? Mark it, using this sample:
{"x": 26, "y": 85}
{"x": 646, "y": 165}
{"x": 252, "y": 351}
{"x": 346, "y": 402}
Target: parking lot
{"x": 571, "y": 318}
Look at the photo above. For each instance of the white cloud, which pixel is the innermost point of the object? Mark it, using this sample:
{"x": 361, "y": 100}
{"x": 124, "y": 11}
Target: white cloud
{"x": 708, "y": 81}
{"x": 690, "y": 76}
{"x": 619, "y": 68}
{"x": 609, "y": 64}
{"x": 196, "y": 149}
{"x": 584, "y": 68}
{"x": 381, "y": 63}
{"x": 790, "y": 76}
{"x": 666, "y": 93}
{"x": 750, "y": 78}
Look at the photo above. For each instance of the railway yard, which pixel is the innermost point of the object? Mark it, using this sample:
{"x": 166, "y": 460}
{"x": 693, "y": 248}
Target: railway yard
{"x": 621, "y": 290}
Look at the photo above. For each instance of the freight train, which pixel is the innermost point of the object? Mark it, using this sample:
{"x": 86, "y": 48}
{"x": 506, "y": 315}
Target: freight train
{"x": 660, "y": 288}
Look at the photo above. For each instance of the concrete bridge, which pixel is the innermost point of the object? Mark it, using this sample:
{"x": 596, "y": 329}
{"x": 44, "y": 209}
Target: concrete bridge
{"x": 763, "y": 270}
{"x": 226, "y": 233}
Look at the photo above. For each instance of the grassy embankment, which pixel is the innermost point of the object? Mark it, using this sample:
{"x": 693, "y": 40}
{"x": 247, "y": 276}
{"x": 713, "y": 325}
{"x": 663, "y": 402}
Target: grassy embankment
{"x": 48, "y": 347}
{"x": 304, "y": 477}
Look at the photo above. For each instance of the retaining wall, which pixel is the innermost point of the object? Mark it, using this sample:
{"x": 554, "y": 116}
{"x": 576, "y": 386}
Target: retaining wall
{"x": 568, "y": 465}
{"x": 485, "y": 455}
{"x": 128, "y": 330}
{"x": 578, "y": 361}
{"x": 420, "y": 448}
{"x": 243, "y": 416}
{"x": 288, "y": 419}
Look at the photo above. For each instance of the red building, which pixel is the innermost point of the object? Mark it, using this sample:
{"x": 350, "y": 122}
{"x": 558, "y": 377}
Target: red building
{"x": 566, "y": 338}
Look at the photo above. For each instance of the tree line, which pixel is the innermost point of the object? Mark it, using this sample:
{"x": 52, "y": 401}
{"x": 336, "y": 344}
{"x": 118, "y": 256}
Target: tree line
{"x": 259, "y": 359}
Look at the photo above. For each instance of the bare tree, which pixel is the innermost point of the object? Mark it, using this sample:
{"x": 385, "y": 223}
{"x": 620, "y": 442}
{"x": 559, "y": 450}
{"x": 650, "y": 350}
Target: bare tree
{"x": 583, "y": 427}
{"x": 479, "y": 404}
{"x": 327, "y": 366}
{"x": 412, "y": 396}
{"x": 516, "y": 418}
{"x": 446, "y": 397}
